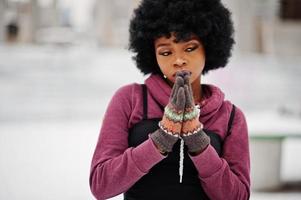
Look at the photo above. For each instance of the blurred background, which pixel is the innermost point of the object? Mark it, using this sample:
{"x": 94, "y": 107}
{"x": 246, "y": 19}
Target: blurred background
{"x": 61, "y": 61}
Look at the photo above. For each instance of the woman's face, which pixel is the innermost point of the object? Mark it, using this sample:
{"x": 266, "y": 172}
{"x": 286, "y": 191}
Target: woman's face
{"x": 185, "y": 55}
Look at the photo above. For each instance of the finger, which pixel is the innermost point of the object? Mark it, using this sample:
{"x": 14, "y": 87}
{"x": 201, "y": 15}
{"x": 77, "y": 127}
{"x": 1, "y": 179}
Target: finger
{"x": 186, "y": 79}
{"x": 188, "y": 96}
{"x": 186, "y": 82}
{"x": 190, "y": 90}
{"x": 178, "y": 83}
{"x": 174, "y": 89}
{"x": 180, "y": 103}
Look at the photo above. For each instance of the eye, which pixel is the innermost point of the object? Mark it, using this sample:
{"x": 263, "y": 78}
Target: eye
{"x": 192, "y": 48}
{"x": 166, "y": 53}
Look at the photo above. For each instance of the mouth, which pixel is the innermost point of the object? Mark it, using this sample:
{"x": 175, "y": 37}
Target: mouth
{"x": 182, "y": 73}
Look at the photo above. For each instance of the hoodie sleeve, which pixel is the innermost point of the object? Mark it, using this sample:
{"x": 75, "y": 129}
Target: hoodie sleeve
{"x": 227, "y": 177}
{"x": 115, "y": 167}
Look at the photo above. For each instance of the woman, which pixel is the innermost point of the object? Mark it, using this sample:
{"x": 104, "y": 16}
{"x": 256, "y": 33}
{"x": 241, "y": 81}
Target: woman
{"x": 173, "y": 137}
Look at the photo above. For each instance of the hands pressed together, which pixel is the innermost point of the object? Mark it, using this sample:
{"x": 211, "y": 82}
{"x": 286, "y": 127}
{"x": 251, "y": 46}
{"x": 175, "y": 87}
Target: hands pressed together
{"x": 181, "y": 119}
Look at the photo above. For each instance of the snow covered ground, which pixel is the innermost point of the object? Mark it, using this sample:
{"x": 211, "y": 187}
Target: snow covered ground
{"x": 53, "y": 99}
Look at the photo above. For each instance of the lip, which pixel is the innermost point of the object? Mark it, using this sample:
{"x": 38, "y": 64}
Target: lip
{"x": 189, "y": 72}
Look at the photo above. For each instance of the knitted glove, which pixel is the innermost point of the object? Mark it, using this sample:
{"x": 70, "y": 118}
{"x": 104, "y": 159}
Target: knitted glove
{"x": 192, "y": 130}
{"x": 171, "y": 123}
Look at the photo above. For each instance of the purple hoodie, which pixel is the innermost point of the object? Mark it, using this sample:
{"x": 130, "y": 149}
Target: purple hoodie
{"x": 116, "y": 167}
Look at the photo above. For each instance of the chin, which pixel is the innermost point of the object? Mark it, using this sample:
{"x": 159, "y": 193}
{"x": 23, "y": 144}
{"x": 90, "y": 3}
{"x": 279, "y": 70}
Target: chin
{"x": 171, "y": 79}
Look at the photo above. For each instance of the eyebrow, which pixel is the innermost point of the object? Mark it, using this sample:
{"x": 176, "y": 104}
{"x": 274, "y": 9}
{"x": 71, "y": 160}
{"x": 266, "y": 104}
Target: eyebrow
{"x": 163, "y": 44}
{"x": 192, "y": 40}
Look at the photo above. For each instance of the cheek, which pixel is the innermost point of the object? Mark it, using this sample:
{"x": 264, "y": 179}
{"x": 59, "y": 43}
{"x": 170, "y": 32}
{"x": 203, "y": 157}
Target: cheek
{"x": 159, "y": 61}
{"x": 200, "y": 57}
{"x": 200, "y": 63}
{"x": 201, "y": 66}
{"x": 163, "y": 64}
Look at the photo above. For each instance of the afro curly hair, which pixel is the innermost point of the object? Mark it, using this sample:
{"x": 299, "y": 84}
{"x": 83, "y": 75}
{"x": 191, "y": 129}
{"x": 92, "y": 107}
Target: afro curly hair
{"x": 207, "y": 19}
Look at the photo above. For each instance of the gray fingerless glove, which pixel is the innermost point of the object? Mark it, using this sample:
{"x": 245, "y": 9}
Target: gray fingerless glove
{"x": 163, "y": 140}
{"x": 197, "y": 142}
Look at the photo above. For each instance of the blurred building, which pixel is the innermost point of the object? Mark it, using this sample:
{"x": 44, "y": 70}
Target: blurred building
{"x": 111, "y": 21}
{"x": 19, "y": 20}
{"x": 267, "y": 26}
{"x": 2, "y": 21}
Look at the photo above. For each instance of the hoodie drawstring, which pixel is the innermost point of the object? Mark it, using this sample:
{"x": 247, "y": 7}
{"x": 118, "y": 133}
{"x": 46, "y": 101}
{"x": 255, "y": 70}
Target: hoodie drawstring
{"x": 181, "y": 164}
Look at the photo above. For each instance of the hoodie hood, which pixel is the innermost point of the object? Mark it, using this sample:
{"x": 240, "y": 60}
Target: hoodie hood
{"x": 212, "y": 101}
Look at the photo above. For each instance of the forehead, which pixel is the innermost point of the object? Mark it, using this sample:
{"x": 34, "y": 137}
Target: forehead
{"x": 173, "y": 39}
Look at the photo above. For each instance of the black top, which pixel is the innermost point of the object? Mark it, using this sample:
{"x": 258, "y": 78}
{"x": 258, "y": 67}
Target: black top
{"x": 162, "y": 181}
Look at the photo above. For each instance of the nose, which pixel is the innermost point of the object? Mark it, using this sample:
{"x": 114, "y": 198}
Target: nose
{"x": 180, "y": 62}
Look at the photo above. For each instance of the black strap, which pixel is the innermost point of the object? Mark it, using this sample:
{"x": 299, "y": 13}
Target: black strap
{"x": 231, "y": 119}
{"x": 144, "y": 91}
